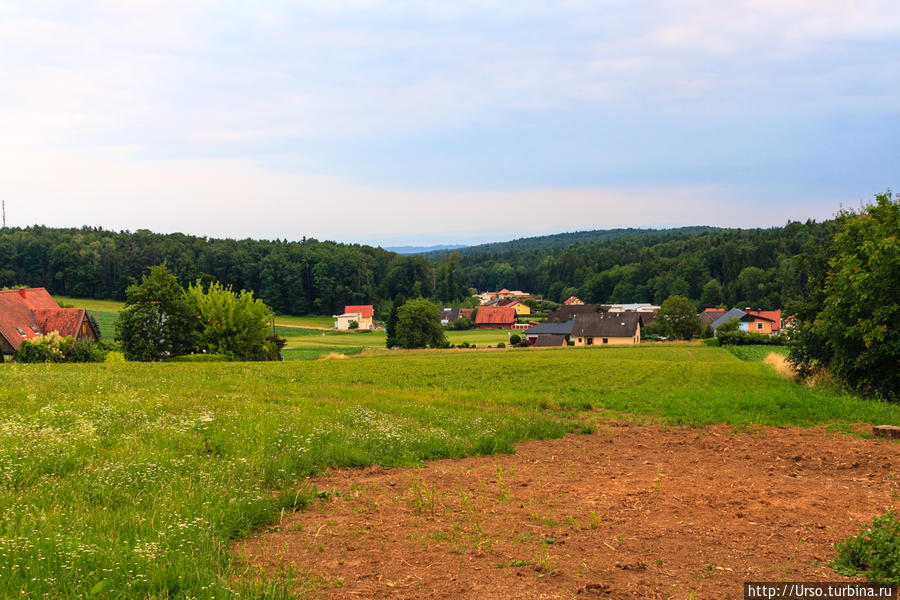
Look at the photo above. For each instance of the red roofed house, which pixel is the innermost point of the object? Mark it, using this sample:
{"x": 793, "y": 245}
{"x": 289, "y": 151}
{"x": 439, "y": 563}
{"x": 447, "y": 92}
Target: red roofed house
{"x": 773, "y": 315}
{"x": 573, "y": 300}
{"x": 495, "y": 317}
{"x": 361, "y": 313}
{"x": 31, "y": 312}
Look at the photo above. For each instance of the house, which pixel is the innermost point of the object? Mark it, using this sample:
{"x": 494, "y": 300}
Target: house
{"x": 557, "y": 329}
{"x": 550, "y": 341}
{"x": 449, "y": 315}
{"x": 568, "y": 312}
{"x": 31, "y": 312}
{"x": 466, "y": 313}
{"x": 597, "y": 329}
{"x": 495, "y": 317}
{"x": 747, "y": 322}
{"x": 774, "y": 315}
{"x": 361, "y": 314}
{"x": 573, "y": 300}
{"x": 519, "y": 307}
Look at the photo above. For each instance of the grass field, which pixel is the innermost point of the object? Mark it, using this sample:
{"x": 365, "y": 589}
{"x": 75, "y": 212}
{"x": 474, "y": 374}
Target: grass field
{"x": 130, "y": 480}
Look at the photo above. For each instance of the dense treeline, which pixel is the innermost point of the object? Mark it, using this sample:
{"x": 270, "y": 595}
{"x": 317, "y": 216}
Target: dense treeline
{"x": 561, "y": 240}
{"x": 757, "y": 267}
{"x": 292, "y": 277}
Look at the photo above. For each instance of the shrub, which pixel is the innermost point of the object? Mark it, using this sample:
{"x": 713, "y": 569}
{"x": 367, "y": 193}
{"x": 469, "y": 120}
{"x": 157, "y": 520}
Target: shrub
{"x": 515, "y": 339}
{"x": 353, "y": 325}
{"x": 52, "y": 347}
{"x": 874, "y": 553}
{"x": 461, "y": 324}
{"x": 746, "y": 338}
{"x": 114, "y": 356}
{"x": 501, "y": 345}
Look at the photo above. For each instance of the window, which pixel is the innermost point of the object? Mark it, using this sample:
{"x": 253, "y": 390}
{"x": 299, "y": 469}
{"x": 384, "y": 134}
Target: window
{"x": 34, "y": 329}
{"x": 759, "y": 325}
{"x": 605, "y": 340}
{"x": 590, "y": 341}
{"x": 579, "y": 340}
{"x": 21, "y": 331}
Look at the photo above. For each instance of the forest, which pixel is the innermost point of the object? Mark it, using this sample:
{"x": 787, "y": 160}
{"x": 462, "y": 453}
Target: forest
{"x": 763, "y": 268}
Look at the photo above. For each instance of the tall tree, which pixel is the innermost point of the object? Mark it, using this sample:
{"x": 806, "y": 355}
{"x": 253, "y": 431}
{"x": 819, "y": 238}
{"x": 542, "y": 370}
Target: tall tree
{"x": 852, "y": 323}
{"x": 678, "y": 318}
{"x": 419, "y": 325}
{"x": 157, "y": 320}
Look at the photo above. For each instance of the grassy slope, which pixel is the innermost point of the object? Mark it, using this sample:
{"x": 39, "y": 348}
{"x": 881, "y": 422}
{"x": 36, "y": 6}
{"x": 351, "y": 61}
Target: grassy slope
{"x": 138, "y": 475}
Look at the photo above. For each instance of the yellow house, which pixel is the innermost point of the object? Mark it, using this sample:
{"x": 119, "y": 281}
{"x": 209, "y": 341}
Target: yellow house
{"x": 520, "y": 308}
{"x": 609, "y": 329}
{"x": 362, "y": 315}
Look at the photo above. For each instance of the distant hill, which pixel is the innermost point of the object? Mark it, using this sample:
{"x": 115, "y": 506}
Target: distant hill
{"x": 561, "y": 240}
{"x": 424, "y": 249}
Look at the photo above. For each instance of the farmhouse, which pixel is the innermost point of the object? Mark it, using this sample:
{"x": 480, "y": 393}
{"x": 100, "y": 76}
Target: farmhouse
{"x": 361, "y": 314}
{"x": 495, "y": 317}
{"x": 449, "y": 315}
{"x": 31, "y": 312}
{"x": 753, "y": 323}
{"x": 620, "y": 328}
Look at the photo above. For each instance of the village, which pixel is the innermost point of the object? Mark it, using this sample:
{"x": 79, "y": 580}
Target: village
{"x": 574, "y": 322}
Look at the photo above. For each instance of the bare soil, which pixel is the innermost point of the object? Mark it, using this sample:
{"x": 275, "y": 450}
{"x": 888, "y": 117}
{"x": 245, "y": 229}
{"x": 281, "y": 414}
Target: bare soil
{"x": 630, "y": 511}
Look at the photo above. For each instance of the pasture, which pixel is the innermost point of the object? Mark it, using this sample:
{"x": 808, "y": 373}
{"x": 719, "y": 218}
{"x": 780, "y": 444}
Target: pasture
{"x": 132, "y": 480}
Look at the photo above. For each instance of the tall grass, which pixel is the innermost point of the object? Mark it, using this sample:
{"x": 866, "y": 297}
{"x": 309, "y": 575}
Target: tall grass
{"x": 129, "y": 481}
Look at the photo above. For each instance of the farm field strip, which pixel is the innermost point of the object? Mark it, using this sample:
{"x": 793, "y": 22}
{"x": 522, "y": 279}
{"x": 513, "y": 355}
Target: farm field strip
{"x": 132, "y": 479}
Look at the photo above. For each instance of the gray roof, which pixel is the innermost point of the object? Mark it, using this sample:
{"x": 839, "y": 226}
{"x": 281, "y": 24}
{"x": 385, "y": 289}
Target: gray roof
{"x": 734, "y": 313}
{"x": 450, "y": 314}
{"x": 564, "y": 328}
{"x": 550, "y": 340}
{"x": 606, "y": 325}
{"x": 567, "y": 312}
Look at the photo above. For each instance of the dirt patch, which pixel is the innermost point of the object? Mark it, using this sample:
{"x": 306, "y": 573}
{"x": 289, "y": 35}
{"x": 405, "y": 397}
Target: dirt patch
{"x": 631, "y": 511}
{"x": 333, "y": 356}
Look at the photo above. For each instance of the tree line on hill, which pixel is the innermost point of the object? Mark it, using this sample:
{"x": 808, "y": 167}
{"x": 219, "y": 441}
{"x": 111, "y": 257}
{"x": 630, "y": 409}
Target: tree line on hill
{"x": 756, "y": 267}
{"x": 305, "y": 277}
{"x": 761, "y": 268}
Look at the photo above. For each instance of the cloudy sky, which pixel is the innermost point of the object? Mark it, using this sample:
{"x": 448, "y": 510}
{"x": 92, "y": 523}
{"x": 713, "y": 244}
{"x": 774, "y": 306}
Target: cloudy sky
{"x": 394, "y": 122}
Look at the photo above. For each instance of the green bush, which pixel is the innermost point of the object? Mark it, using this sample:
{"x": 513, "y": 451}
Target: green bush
{"x": 746, "y": 338}
{"x": 501, "y": 345}
{"x": 461, "y": 324}
{"x": 874, "y": 553}
{"x": 54, "y": 348}
{"x": 515, "y": 339}
{"x": 710, "y": 342}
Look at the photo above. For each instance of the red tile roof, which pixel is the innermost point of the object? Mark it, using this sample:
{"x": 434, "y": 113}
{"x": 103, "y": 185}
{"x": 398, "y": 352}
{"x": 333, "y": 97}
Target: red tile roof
{"x": 495, "y": 315}
{"x": 35, "y": 312}
{"x": 573, "y": 299}
{"x": 713, "y": 310}
{"x": 366, "y": 309}
{"x": 38, "y": 298}
{"x": 67, "y": 321}
{"x": 466, "y": 312}
{"x": 16, "y": 318}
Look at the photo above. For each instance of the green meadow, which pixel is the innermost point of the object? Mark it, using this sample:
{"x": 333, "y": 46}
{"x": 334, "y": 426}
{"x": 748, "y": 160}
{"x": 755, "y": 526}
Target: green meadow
{"x": 131, "y": 480}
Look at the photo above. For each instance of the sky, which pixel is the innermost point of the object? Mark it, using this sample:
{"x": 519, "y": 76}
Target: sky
{"x": 430, "y": 122}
